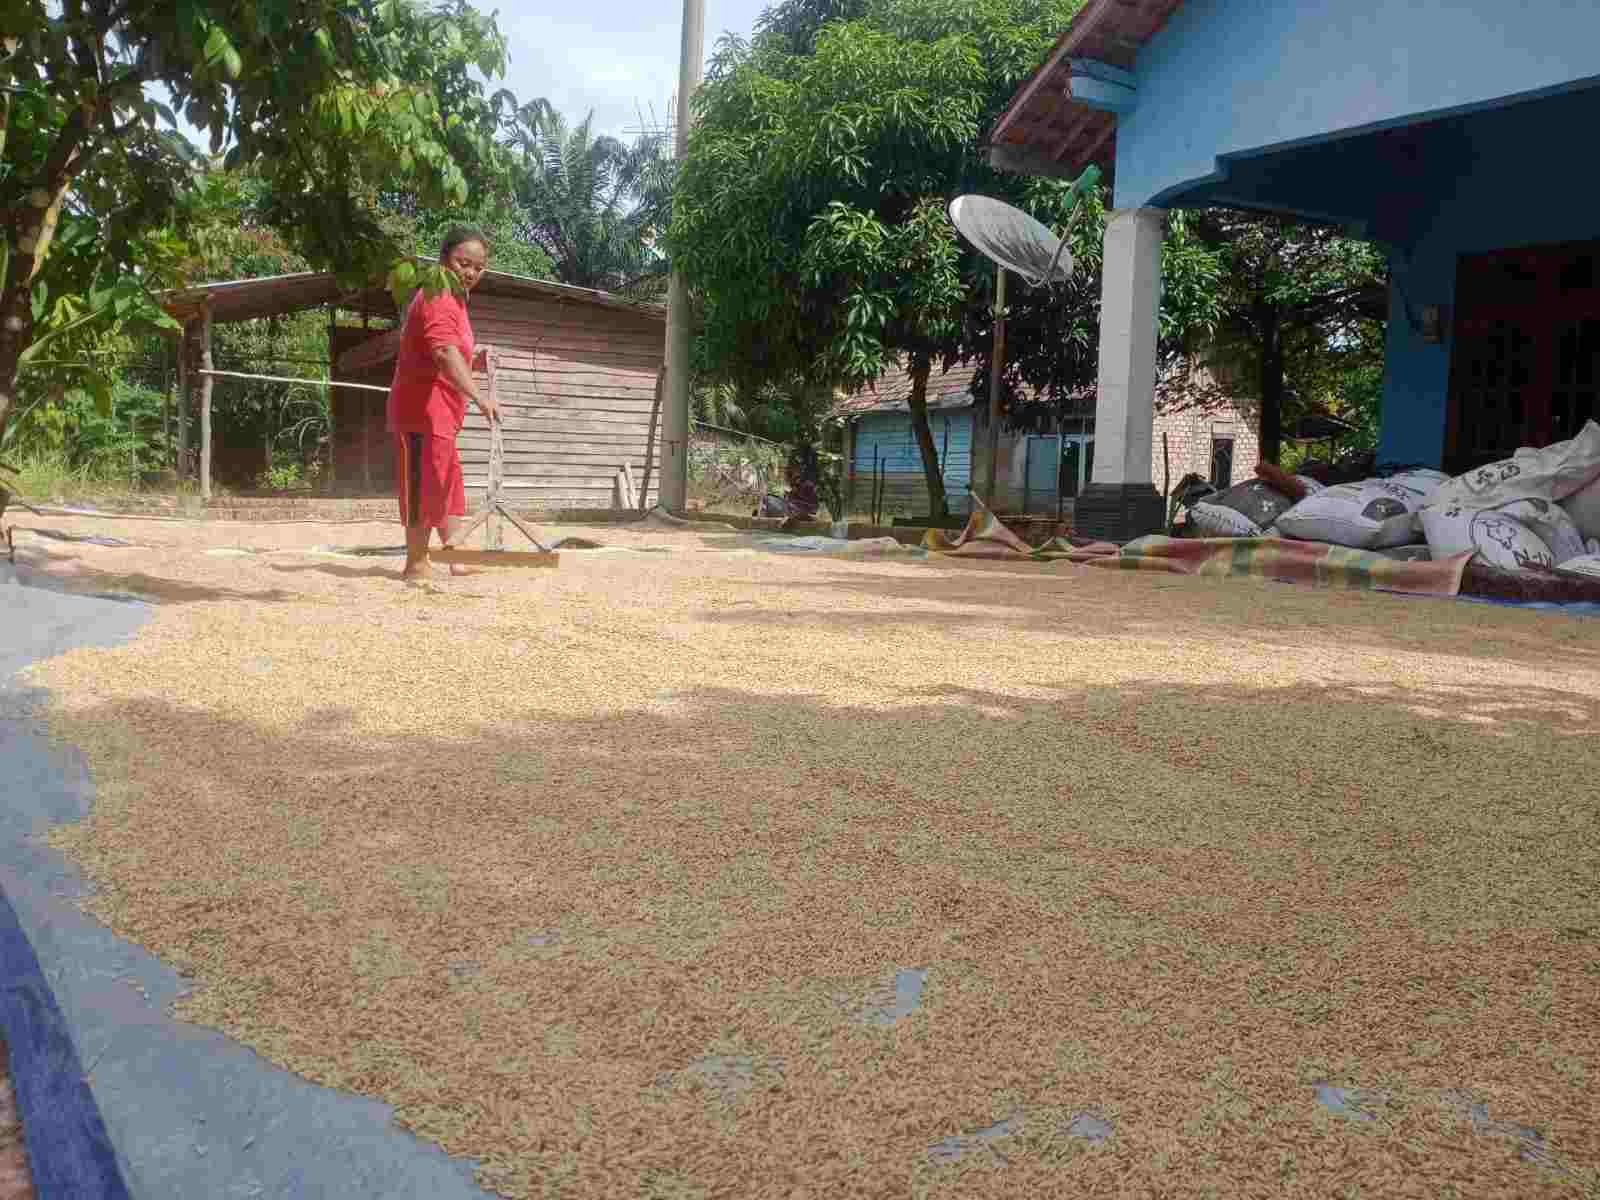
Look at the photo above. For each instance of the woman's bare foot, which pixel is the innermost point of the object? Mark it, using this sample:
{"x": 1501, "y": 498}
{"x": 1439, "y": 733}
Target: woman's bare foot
{"x": 460, "y": 569}
{"x": 417, "y": 564}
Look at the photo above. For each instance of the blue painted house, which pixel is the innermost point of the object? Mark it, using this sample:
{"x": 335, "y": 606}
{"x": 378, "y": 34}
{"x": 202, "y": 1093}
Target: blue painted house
{"x": 1452, "y": 133}
{"x": 885, "y": 464}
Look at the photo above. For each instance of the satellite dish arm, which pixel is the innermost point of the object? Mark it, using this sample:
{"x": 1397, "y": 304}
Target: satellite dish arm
{"x": 1061, "y": 244}
{"x": 1080, "y": 188}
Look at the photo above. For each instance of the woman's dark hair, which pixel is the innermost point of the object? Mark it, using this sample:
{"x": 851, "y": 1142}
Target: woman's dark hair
{"x": 460, "y": 235}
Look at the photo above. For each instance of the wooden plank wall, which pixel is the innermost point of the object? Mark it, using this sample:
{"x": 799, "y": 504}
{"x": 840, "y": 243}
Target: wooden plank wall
{"x": 904, "y": 494}
{"x": 358, "y": 420}
{"x": 885, "y": 440}
{"x": 576, "y": 385}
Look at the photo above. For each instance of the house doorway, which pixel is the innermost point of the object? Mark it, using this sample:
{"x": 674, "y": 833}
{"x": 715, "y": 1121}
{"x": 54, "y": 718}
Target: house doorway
{"x": 1057, "y": 467}
{"x": 1041, "y": 474}
{"x": 1525, "y": 367}
{"x": 1221, "y": 461}
{"x": 1077, "y": 463}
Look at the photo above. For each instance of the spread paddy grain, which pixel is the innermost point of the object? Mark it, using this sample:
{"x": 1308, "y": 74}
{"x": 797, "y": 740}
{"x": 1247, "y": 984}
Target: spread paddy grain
{"x": 617, "y": 878}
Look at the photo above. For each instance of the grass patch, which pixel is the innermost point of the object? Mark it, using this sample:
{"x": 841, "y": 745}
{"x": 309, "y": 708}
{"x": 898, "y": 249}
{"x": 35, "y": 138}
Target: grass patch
{"x": 49, "y": 479}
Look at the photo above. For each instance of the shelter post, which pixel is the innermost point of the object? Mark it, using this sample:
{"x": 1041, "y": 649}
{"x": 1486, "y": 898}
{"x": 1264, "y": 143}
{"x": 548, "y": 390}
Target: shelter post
{"x": 205, "y": 404}
{"x": 185, "y": 345}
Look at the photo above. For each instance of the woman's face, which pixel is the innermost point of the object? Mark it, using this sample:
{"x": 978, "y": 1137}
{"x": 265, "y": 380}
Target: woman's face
{"x": 468, "y": 261}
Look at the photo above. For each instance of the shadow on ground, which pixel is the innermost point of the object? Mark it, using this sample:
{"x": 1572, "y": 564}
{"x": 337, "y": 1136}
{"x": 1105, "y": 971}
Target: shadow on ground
{"x": 1053, "y": 598}
{"x": 1388, "y": 886}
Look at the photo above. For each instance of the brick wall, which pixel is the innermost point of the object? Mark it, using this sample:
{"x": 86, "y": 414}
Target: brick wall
{"x": 1190, "y": 437}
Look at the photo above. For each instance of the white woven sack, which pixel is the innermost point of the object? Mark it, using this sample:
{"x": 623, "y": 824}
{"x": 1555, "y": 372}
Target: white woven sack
{"x": 1504, "y": 541}
{"x": 1371, "y": 515}
{"x": 1583, "y": 506}
{"x": 1220, "y": 521}
{"x": 1550, "y": 473}
{"x": 1455, "y": 527}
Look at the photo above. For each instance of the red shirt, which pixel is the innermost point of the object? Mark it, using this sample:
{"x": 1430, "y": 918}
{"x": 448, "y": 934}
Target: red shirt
{"x": 420, "y": 401}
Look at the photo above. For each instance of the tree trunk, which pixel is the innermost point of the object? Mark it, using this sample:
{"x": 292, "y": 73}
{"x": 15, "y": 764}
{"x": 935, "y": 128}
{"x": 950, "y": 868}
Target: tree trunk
{"x": 16, "y": 331}
{"x": 932, "y": 471}
{"x": 1268, "y": 322}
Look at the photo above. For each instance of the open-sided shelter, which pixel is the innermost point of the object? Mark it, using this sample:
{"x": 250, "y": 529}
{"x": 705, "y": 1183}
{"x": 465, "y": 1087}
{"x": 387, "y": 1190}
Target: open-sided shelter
{"x": 577, "y": 381}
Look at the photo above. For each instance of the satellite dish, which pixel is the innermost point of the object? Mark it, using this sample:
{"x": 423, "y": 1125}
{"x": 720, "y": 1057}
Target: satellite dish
{"x": 1010, "y": 238}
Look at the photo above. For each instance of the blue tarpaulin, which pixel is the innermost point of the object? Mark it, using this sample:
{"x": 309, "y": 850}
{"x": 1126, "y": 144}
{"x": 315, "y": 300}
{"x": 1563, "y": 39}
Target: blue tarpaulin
{"x": 69, "y": 1151}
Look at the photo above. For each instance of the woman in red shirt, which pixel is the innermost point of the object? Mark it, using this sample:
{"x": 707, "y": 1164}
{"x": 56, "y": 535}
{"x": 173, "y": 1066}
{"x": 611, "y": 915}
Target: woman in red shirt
{"x": 428, "y": 403}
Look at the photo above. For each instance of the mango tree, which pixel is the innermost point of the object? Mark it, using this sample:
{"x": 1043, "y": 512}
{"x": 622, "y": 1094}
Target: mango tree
{"x": 809, "y": 215}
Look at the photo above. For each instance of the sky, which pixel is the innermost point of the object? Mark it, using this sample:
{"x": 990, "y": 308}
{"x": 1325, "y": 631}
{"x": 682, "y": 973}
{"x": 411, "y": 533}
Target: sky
{"x": 617, "y": 57}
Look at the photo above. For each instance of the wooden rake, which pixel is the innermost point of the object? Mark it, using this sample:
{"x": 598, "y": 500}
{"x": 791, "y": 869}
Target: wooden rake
{"x": 494, "y": 514}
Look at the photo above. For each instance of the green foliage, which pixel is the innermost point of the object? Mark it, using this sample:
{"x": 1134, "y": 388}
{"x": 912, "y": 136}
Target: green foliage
{"x": 122, "y": 440}
{"x": 594, "y": 206}
{"x": 815, "y": 181}
{"x": 722, "y": 470}
{"x": 330, "y": 104}
{"x": 289, "y": 476}
{"x": 1301, "y": 314}
{"x": 501, "y": 223}
{"x": 1053, "y": 334}
{"x": 810, "y": 212}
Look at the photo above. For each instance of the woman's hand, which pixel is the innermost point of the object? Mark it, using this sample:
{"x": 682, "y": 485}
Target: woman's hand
{"x": 456, "y": 373}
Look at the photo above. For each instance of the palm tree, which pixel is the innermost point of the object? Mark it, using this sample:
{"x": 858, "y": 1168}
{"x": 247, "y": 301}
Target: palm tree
{"x": 595, "y": 205}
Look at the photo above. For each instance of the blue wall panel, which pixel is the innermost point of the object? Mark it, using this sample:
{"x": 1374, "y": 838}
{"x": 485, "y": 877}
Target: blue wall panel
{"x": 1523, "y": 186}
{"x": 887, "y": 439}
{"x": 1230, "y": 77}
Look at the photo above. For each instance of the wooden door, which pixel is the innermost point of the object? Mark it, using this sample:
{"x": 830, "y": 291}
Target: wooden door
{"x": 1525, "y": 367}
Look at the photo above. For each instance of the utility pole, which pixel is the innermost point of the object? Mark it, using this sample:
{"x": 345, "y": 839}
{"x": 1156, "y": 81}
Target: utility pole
{"x": 675, "y": 419}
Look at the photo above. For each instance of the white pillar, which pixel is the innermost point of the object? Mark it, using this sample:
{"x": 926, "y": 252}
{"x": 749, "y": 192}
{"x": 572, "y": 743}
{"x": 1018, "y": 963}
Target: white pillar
{"x": 1120, "y": 503}
{"x": 1130, "y": 299}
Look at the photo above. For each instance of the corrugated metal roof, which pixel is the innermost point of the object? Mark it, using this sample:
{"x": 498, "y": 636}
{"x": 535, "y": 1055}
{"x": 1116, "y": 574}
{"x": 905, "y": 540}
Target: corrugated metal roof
{"x": 891, "y": 391}
{"x": 275, "y": 295}
{"x": 947, "y": 390}
{"x": 1044, "y": 120}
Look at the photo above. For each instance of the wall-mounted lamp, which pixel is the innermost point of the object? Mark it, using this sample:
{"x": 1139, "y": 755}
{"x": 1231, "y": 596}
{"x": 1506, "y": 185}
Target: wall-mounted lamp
{"x": 1435, "y": 322}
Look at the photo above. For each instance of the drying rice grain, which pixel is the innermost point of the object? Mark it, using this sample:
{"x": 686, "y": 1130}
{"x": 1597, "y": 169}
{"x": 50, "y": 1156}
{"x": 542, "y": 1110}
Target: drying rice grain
{"x": 1174, "y": 855}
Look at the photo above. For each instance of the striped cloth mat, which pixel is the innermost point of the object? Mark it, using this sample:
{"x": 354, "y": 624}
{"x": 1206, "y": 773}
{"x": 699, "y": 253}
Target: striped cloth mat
{"x": 1317, "y": 563}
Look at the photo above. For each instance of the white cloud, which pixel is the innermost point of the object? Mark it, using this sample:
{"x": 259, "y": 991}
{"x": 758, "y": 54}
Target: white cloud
{"x": 620, "y": 59}
{"x": 617, "y": 58}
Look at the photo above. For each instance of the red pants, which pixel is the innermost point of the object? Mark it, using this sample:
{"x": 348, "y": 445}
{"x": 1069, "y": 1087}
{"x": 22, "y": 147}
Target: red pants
{"x": 429, "y": 471}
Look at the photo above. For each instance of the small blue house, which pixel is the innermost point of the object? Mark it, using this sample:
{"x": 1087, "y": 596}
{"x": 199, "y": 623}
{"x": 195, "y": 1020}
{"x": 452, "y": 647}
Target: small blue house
{"x": 1040, "y": 471}
{"x": 1452, "y": 133}
{"x": 885, "y": 464}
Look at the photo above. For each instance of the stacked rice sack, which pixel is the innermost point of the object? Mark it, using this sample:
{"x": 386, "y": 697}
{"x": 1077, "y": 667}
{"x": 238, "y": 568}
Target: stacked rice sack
{"x": 1372, "y": 515}
{"x": 1246, "y": 510}
{"x": 1375, "y": 514}
{"x": 1535, "y": 510}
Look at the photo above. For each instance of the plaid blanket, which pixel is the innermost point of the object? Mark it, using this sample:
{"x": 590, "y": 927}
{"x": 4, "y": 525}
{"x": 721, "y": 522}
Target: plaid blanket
{"x": 986, "y": 536}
